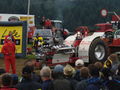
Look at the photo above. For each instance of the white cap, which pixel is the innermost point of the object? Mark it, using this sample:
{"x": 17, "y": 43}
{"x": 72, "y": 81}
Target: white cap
{"x": 79, "y": 62}
{"x": 9, "y": 38}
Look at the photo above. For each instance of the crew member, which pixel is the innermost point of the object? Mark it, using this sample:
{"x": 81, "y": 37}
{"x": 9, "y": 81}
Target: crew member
{"x": 42, "y": 22}
{"x": 78, "y": 39}
{"x": 10, "y": 35}
{"x": 38, "y": 42}
{"x": 110, "y": 61}
{"x": 48, "y": 24}
{"x": 8, "y": 50}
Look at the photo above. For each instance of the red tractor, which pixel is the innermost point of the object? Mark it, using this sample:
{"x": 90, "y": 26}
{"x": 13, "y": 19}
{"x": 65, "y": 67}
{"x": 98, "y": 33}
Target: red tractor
{"x": 112, "y": 39}
{"x": 89, "y": 48}
{"x": 103, "y": 27}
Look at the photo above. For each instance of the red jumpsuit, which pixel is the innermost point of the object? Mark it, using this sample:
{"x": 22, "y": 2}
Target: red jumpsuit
{"x": 48, "y": 24}
{"x": 8, "y": 50}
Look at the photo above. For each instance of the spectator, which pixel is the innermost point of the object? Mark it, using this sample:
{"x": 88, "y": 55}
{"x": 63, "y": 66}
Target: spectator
{"x": 112, "y": 63}
{"x": 28, "y": 83}
{"x": 106, "y": 77}
{"x": 94, "y": 82}
{"x": 38, "y": 42}
{"x": 118, "y": 70}
{"x": 115, "y": 82}
{"x": 45, "y": 74}
{"x": 2, "y": 71}
{"x": 34, "y": 76}
{"x": 58, "y": 72}
{"x": 99, "y": 65}
{"x": 107, "y": 74}
{"x": 48, "y": 24}
{"x": 68, "y": 72}
{"x": 111, "y": 59}
{"x": 7, "y": 82}
{"x": 78, "y": 65}
{"x": 14, "y": 80}
{"x": 84, "y": 75}
{"x": 59, "y": 82}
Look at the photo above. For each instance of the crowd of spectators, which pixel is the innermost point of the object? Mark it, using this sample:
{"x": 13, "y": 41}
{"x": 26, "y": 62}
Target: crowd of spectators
{"x": 96, "y": 76}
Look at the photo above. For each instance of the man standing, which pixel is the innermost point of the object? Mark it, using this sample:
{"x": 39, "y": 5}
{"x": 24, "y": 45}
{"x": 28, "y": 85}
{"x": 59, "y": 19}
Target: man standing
{"x": 8, "y": 50}
{"x": 38, "y": 42}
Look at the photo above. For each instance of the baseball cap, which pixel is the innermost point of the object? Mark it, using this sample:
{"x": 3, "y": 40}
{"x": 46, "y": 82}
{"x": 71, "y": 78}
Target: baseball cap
{"x": 79, "y": 62}
{"x": 58, "y": 68}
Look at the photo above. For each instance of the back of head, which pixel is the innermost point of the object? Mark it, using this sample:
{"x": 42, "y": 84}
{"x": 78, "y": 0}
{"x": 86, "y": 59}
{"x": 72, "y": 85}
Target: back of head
{"x": 68, "y": 70}
{"x": 57, "y": 72}
{"x": 79, "y": 63}
{"x": 99, "y": 65}
{"x": 94, "y": 72}
{"x": 58, "y": 68}
{"x": 84, "y": 72}
{"x": 45, "y": 72}
{"x": 26, "y": 72}
{"x": 6, "y": 80}
{"x": 113, "y": 57}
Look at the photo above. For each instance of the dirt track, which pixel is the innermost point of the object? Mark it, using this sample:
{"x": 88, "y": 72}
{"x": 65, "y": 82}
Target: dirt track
{"x": 19, "y": 64}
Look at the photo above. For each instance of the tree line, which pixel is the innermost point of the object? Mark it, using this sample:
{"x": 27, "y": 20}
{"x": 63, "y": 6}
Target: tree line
{"x": 73, "y": 13}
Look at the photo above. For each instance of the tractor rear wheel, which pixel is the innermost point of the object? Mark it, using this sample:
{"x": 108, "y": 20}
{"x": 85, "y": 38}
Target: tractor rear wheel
{"x": 98, "y": 51}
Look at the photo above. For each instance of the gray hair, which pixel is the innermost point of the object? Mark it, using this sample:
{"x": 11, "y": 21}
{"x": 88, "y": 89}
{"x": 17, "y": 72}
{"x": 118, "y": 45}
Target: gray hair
{"x": 45, "y": 72}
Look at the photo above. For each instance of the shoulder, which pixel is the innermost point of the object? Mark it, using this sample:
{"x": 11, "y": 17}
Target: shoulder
{"x": 92, "y": 87}
{"x": 81, "y": 85}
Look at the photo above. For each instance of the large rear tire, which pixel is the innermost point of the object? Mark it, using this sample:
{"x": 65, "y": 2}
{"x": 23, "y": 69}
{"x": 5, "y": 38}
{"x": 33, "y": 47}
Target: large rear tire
{"x": 98, "y": 51}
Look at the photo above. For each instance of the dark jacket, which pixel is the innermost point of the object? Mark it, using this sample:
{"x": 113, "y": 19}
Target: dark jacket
{"x": 47, "y": 85}
{"x": 62, "y": 84}
{"x": 77, "y": 75}
{"x": 114, "y": 84}
{"x": 34, "y": 77}
{"x": 81, "y": 85}
{"x": 88, "y": 84}
{"x": 72, "y": 81}
{"x": 28, "y": 85}
{"x": 94, "y": 83}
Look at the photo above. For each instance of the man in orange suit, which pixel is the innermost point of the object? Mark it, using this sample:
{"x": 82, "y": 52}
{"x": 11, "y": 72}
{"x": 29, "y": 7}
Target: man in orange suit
{"x": 8, "y": 50}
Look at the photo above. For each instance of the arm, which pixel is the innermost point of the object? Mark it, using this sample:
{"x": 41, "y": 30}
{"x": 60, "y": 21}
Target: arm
{"x": 4, "y": 51}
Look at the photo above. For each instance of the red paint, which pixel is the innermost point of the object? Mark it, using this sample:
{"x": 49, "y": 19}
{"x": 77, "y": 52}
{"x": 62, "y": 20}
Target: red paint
{"x": 8, "y": 50}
